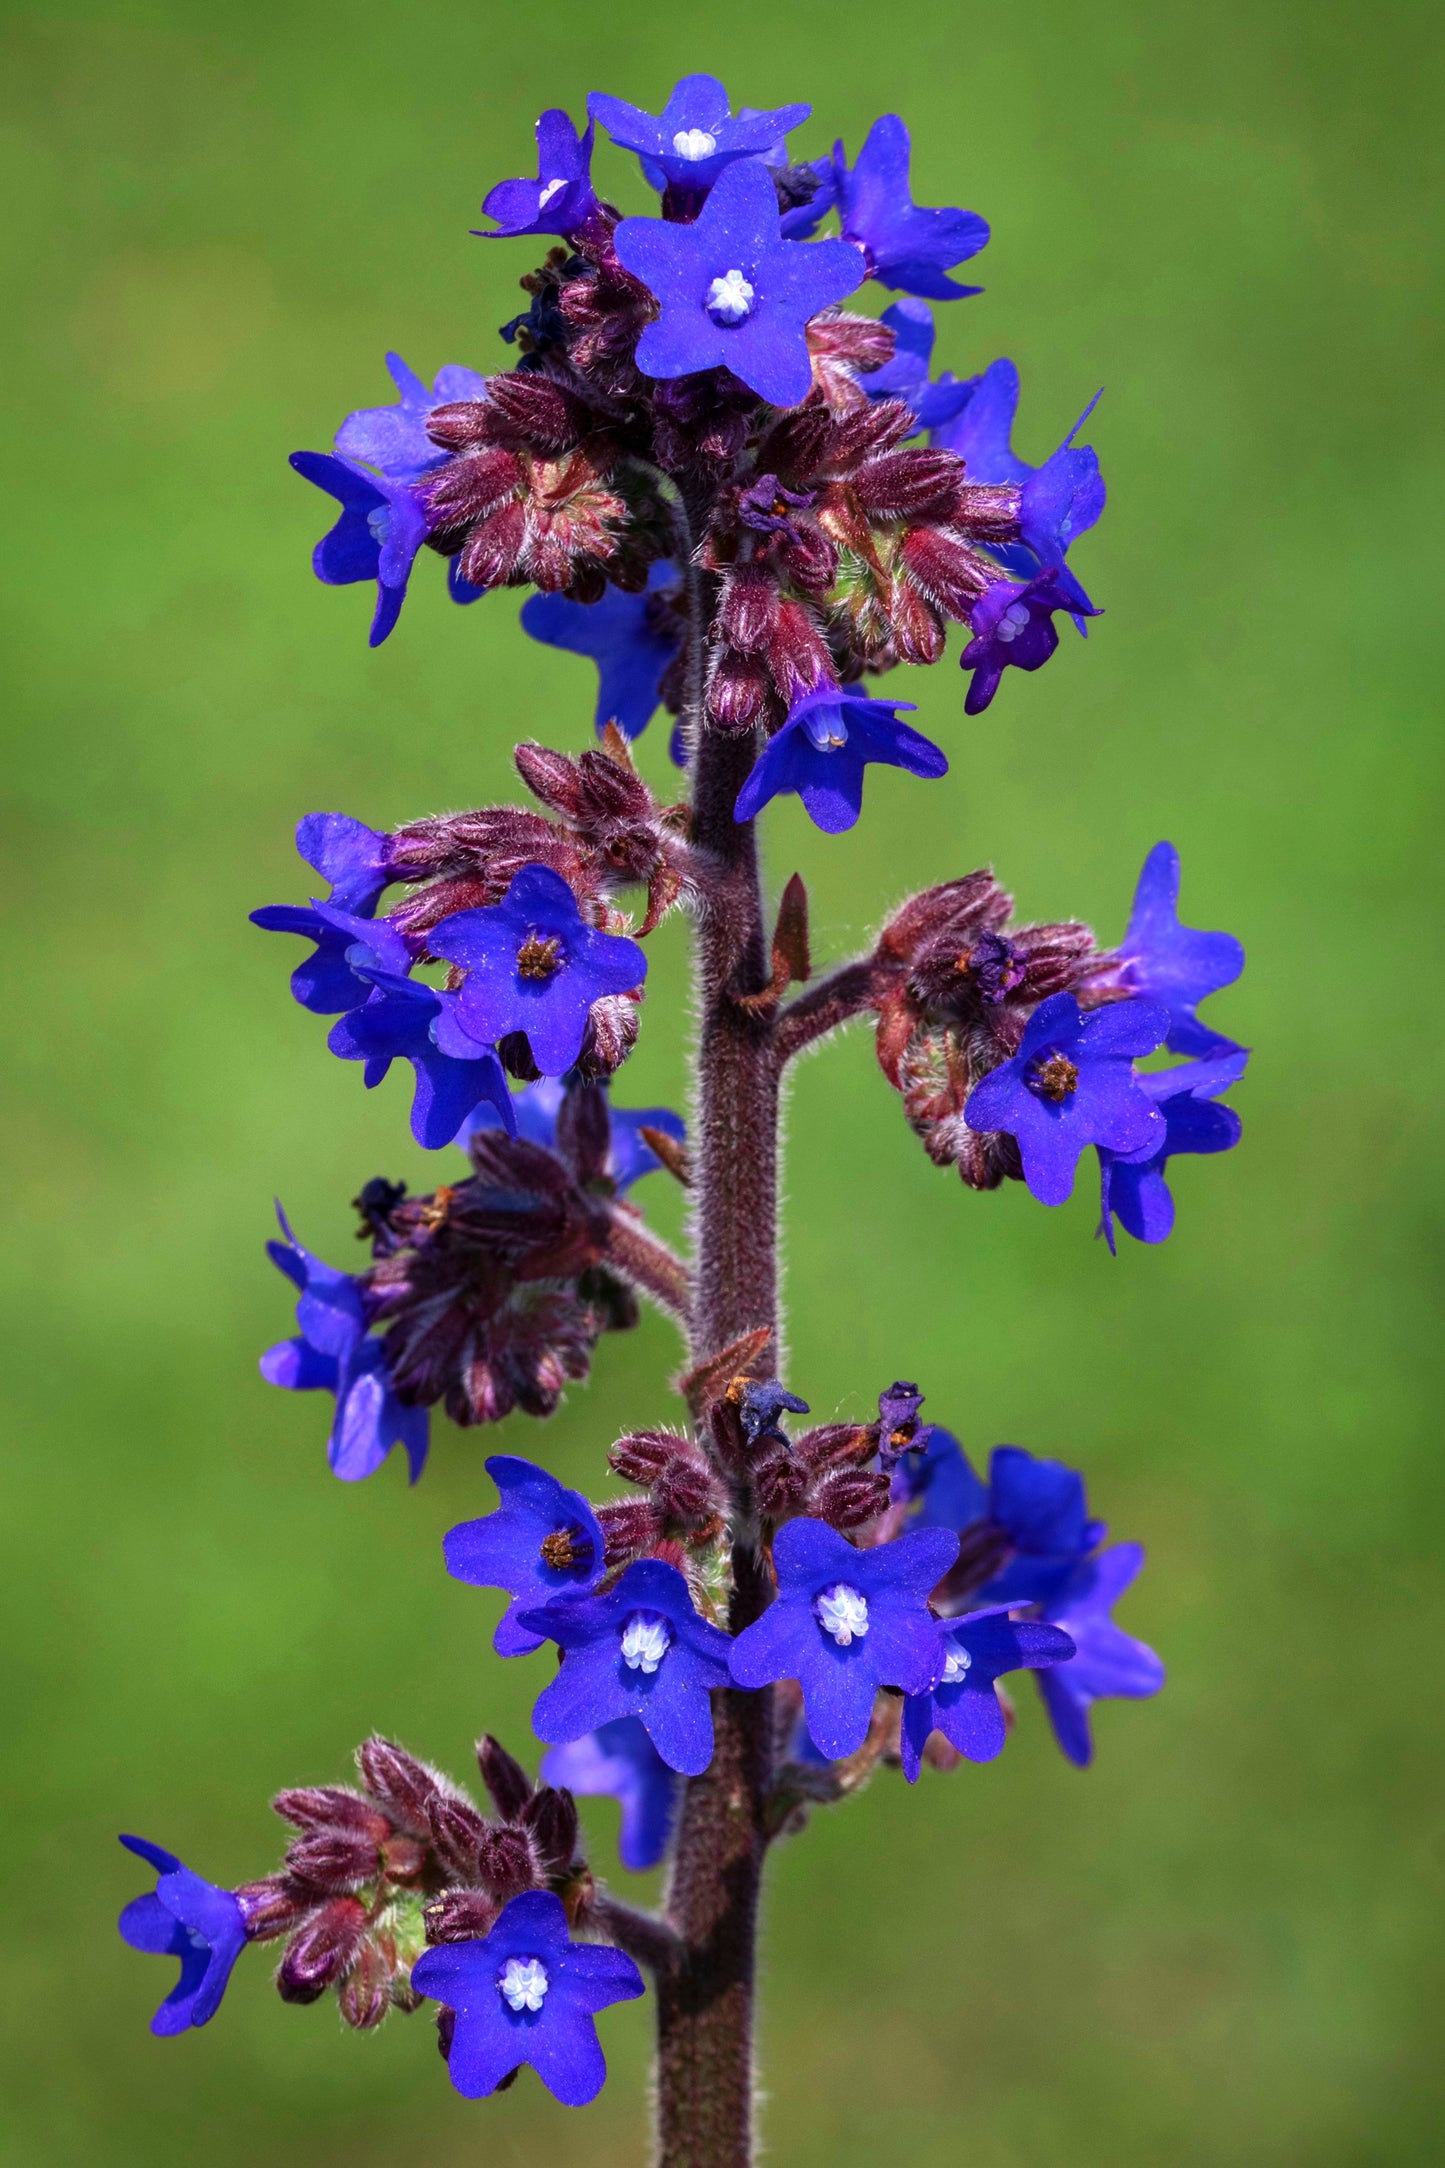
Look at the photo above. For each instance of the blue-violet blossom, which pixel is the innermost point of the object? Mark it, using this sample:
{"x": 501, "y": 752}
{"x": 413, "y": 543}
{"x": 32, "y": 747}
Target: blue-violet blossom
{"x": 560, "y": 199}
{"x": 733, "y": 293}
{"x": 191, "y": 1919}
{"x": 534, "y": 965}
{"x": 907, "y": 247}
{"x": 1107, "y": 1662}
{"x": 633, "y": 639}
{"x": 1058, "y": 501}
{"x": 527, "y": 1993}
{"x": 641, "y": 1650}
{"x": 618, "y": 1761}
{"x": 1132, "y": 1187}
{"x": 963, "y": 1704}
{"x": 696, "y": 136}
{"x": 821, "y": 751}
{"x": 1013, "y": 626}
{"x": 905, "y": 377}
{"x": 335, "y": 1353}
{"x": 542, "y": 1542}
{"x": 1070, "y": 1084}
{"x": 846, "y": 1622}
{"x": 1173, "y": 964}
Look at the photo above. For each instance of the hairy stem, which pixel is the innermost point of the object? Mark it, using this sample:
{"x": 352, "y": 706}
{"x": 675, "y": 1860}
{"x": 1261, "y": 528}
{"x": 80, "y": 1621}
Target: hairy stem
{"x": 650, "y": 1265}
{"x": 705, "y": 2002}
{"x": 845, "y": 993}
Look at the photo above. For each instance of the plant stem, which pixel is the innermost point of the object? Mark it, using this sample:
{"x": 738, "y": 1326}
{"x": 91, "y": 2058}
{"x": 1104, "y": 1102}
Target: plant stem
{"x": 704, "y": 2105}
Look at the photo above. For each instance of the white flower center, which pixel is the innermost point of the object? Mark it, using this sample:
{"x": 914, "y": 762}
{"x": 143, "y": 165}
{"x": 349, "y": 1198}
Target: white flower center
{"x": 379, "y": 521}
{"x": 730, "y": 298}
{"x": 843, "y": 1613}
{"x": 694, "y": 143}
{"x": 826, "y": 729}
{"x": 1013, "y": 621}
{"x": 523, "y": 1983}
{"x": 956, "y": 1666}
{"x": 646, "y": 1639}
{"x": 553, "y": 188}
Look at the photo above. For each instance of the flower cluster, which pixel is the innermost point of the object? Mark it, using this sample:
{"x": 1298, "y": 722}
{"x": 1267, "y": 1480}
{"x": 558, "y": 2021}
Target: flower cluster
{"x": 709, "y": 346}
{"x": 712, "y": 474}
{"x": 1016, "y": 1047}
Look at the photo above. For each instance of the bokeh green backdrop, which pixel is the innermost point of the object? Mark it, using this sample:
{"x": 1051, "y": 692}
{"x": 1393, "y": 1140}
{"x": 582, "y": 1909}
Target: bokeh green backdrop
{"x": 1218, "y": 1945}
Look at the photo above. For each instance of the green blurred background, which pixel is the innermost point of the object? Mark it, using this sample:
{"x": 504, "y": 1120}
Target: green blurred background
{"x": 1222, "y": 1943}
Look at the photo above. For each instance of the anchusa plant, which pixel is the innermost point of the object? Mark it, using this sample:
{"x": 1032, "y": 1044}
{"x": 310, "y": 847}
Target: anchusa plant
{"x": 743, "y": 501}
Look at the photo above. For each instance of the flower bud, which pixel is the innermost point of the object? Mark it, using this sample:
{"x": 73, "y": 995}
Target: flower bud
{"x": 909, "y": 485}
{"x": 738, "y": 690}
{"x": 456, "y": 1832}
{"x": 550, "y": 1818}
{"x": 331, "y": 1806}
{"x": 506, "y": 1780}
{"x": 945, "y": 570}
{"x": 320, "y": 1950}
{"x": 459, "y": 1915}
{"x": 525, "y": 407}
{"x": 491, "y": 552}
{"x": 335, "y": 1860}
{"x": 847, "y": 1497}
{"x": 365, "y": 1995}
{"x": 272, "y": 1906}
{"x": 504, "y": 1861}
{"x": 748, "y": 607}
{"x": 469, "y": 488}
{"x": 630, "y": 1526}
{"x": 400, "y": 1782}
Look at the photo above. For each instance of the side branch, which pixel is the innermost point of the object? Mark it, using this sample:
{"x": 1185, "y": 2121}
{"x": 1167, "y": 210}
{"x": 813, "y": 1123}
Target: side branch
{"x": 650, "y": 1265}
{"x": 649, "y": 1940}
{"x": 844, "y": 994}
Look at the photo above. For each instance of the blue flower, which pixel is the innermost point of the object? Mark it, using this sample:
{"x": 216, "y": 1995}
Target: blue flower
{"x": 560, "y": 199}
{"x": 393, "y": 439}
{"x": 906, "y": 375}
{"x": 335, "y": 1353}
{"x": 1037, "y": 1509}
{"x": 907, "y": 248}
{"x": 534, "y": 965}
{"x": 1133, "y": 1189}
{"x": 355, "y": 859}
{"x": 1108, "y": 1661}
{"x": 846, "y": 1622}
{"x": 527, "y": 1993}
{"x": 641, "y": 1650}
{"x": 535, "y": 1108}
{"x": 1173, "y": 964}
{"x": 963, "y": 1704}
{"x": 382, "y": 526}
{"x": 1014, "y": 625}
{"x": 618, "y": 1761}
{"x": 733, "y": 293}
{"x": 829, "y": 738}
{"x": 191, "y": 1919}
{"x": 1059, "y": 501}
{"x": 1070, "y": 1084}
{"x": 542, "y": 1542}
{"x": 402, "y": 1020}
{"x": 941, "y": 1480}
{"x": 633, "y": 639}
{"x": 696, "y": 137}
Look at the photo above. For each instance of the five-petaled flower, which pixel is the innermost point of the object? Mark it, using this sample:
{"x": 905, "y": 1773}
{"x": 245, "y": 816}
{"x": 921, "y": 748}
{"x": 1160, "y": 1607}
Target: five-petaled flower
{"x": 1013, "y": 626}
{"x": 633, "y": 639}
{"x": 1070, "y": 1084}
{"x": 1173, "y": 964}
{"x": 334, "y": 1352}
{"x": 1058, "y": 501}
{"x": 1132, "y": 1187}
{"x": 534, "y": 965}
{"x": 962, "y": 1703}
{"x": 560, "y": 199}
{"x": 846, "y": 1622}
{"x": 732, "y": 292}
{"x": 829, "y": 738}
{"x": 641, "y": 1650}
{"x": 189, "y": 1918}
{"x": 542, "y": 1542}
{"x": 1107, "y": 1661}
{"x": 403, "y": 1020}
{"x": 394, "y": 439}
{"x": 527, "y": 1993}
{"x": 696, "y": 136}
{"x": 619, "y": 1761}
{"x": 907, "y": 247}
